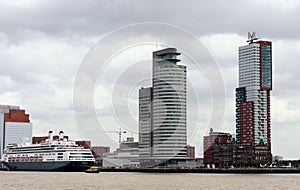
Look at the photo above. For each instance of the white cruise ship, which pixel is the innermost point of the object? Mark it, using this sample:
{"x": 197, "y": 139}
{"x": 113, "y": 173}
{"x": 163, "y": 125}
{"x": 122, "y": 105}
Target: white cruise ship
{"x": 51, "y": 155}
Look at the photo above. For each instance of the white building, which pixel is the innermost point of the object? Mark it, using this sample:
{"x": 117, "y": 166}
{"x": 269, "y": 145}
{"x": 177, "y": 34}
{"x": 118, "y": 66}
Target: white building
{"x": 120, "y": 160}
{"x": 17, "y": 132}
{"x": 15, "y": 126}
{"x": 169, "y": 105}
{"x": 127, "y": 156}
{"x": 162, "y": 109}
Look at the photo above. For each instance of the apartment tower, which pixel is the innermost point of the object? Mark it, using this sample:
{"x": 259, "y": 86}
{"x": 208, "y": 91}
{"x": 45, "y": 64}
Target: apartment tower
{"x": 253, "y": 118}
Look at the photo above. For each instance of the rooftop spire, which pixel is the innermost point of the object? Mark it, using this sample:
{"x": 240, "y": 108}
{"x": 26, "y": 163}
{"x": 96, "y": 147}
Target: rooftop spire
{"x": 252, "y": 37}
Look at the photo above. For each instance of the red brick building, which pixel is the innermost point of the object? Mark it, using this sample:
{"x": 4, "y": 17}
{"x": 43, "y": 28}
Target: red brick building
{"x": 210, "y": 142}
{"x": 190, "y": 151}
{"x": 223, "y": 151}
{"x": 84, "y": 143}
{"x": 98, "y": 151}
{"x": 247, "y": 123}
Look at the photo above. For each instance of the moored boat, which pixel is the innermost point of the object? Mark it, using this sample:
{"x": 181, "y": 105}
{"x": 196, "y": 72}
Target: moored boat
{"x": 51, "y": 155}
{"x": 93, "y": 169}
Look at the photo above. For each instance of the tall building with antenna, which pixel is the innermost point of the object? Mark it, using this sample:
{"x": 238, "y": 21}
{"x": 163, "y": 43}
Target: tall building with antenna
{"x": 253, "y": 116}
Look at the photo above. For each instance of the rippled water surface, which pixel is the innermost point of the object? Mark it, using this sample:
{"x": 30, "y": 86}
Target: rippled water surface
{"x": 144, "y": 181}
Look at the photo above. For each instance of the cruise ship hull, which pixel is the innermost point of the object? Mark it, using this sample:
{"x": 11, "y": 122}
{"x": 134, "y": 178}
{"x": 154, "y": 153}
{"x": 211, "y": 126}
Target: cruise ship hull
{"x": 64, "y": 166}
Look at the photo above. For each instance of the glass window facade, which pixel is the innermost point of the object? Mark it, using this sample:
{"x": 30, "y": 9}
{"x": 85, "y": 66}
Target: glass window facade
{"x": 266, "y": 72}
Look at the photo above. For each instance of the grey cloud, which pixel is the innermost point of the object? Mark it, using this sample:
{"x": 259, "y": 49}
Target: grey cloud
{"x": 202, "y": 17}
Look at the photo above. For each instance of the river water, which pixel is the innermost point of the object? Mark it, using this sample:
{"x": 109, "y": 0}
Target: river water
{"x": 145, "y": 181}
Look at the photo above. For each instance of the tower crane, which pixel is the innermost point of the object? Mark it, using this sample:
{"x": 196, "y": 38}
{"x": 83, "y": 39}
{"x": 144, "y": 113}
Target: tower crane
{"x": 118, "y": 132}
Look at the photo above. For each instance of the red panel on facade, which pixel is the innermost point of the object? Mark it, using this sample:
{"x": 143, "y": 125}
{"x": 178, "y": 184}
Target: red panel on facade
{"x": 85, "y": 144}
{"x": 209, "y": 141}
{"x": 247, "y": 124}
{"x": 208, "y": 156}
{"x": 100, "y": 150}
{"x": 16, "y": 116}
{"x": 190, "y": 151}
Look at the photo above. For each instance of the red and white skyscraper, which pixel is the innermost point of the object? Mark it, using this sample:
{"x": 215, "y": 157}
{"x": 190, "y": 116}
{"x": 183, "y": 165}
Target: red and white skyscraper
{"x": 15, "y": 126}
{"x": 253, "y": 120}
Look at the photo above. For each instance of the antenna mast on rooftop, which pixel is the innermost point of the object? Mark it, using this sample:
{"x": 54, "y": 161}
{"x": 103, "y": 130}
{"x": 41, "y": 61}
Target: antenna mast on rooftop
{"x": 252, "y": 37}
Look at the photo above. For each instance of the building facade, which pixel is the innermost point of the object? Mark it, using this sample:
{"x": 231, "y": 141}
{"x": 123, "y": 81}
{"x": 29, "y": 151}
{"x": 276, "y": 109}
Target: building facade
{"x": 221, "y": 150}
{"x": 145, "y": 123}
{"x": 253, "y": 118}
{"x": 129, "y": 145}
{"x": 15, "y": 126}
{"x": 98, "y": 151}
{"x": 84, "y": 143}
{"x": 126, "y": 156}
{"x": 162, "y": 109}
{"x": 217, "y": 147}
{"x": 190, "y": 151}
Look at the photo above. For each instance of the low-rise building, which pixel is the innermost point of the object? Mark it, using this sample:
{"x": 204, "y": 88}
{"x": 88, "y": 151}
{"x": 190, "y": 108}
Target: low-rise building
{"x": 217, "y": 149}
{"x": 84, "y": 143}
{"x": 126, "y": 156}
{"x": 221, "y": 150}
{"x": 120, "y": 160}
{"x": 98, "y": 151}
{"x": 190, "y": 151}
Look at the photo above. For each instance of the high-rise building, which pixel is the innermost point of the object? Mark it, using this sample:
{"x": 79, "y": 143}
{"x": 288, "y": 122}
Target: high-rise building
{"x": 252, "y": 144}
{"x": 145, "y": 123}
{"x": 169, "y": 105}
{"x": 253, "y": 120}
{"x": 15, "y": 126}
{"x": 162, "y": 109}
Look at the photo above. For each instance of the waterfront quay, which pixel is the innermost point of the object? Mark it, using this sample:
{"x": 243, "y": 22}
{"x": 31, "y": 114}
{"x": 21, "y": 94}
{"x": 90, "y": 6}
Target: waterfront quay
{"x": 208, "y": 170}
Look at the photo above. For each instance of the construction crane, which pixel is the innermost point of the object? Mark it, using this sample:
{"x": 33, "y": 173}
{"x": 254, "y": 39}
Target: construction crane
{"x": 118, "y": 132}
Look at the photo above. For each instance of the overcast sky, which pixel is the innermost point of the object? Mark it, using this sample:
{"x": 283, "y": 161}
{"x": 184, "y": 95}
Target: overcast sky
{"x": 44, "y": 45}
